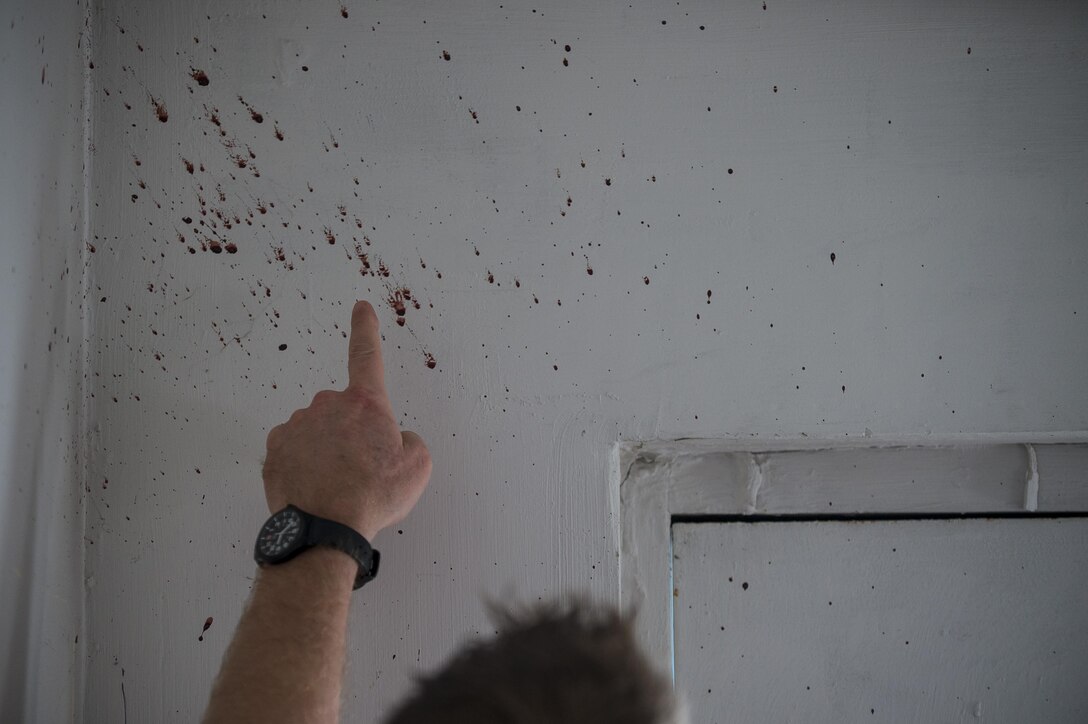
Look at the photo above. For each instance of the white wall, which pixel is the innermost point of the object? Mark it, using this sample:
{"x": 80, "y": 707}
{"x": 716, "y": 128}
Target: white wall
{"x": 41, "y": 227}
{"x": 949, "y": 185}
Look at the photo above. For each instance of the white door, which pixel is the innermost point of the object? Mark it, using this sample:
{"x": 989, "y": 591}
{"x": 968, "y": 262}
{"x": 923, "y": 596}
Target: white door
{"x": 927, "y": 620}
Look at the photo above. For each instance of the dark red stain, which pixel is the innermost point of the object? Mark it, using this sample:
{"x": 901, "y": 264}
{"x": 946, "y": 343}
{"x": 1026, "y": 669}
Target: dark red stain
{"x": 832, "y": 258}
{"x": 160, "y": 110}
{"x": 490, "y": 277}
{"x": 199, "y": 76}
{"x": 215, "y": 247}
{"x": 608, "y": 182}
{"x": 566, "y": 62}
{"x": 343, "y": 11}
{"x": 517, "y": 282}
{"x": 363, "y": 259}
{"x": 708, "y": 293}
{"x": 283, "y": 347}
{"x": 396, "y": 301}
{"x": 207, "y": 625}
{"x": 566, "y": 48}
{"x": 473, "y": 114}
{"x": 645, "y": 280}
{"x": 968, "y": 50}
{"x": 279, "y": 133}
{"x": 329, "y": 236}
{"x": 383, "y": 269}
{"x": 257, "y": 117}
{"x": 188, "y": 165}
{"x": 445, "y": 55}
{"x": 43, "y": 75}
{"x": 231, "y": 247}
{"x": 431, "y": 361}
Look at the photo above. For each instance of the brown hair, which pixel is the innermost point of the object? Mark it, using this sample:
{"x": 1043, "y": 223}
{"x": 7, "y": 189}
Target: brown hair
{"x": 575, "y": 663}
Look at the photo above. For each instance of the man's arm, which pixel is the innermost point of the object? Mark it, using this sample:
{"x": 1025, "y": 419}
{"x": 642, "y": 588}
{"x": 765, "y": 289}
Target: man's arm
{"x": 343, "y": 458}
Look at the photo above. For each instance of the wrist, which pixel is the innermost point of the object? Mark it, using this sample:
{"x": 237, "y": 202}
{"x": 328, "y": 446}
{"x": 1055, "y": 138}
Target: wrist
{"x": 314, "y": 566}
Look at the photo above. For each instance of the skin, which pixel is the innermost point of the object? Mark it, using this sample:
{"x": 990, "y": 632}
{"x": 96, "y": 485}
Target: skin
{"x": 343, "y": 458}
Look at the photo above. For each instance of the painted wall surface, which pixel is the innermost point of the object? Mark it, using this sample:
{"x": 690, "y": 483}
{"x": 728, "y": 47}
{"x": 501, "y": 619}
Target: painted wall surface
{"x": 583, "y": 223}
{"x": 41, "y": 230}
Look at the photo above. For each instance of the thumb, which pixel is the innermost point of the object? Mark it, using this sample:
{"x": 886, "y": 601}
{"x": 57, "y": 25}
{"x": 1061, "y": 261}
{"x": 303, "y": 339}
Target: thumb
{"x": 416, "y": 450}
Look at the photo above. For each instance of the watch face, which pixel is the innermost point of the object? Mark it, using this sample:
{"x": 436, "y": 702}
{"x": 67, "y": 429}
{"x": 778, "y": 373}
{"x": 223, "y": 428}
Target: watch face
{"x": 280, "y": 534}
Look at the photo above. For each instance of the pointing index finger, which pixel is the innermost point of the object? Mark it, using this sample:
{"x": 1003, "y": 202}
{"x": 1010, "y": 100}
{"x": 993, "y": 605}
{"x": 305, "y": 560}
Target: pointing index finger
{"x": 365, "y": 368}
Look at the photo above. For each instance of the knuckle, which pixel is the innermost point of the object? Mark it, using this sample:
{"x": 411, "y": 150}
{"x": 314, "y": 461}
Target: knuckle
{"x": 324, "y": 397}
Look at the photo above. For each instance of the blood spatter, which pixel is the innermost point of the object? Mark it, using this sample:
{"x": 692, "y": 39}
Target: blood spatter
{"x": 188, "y": 165}
{"x": 215, "y": 247}
{"x": 396, "y": 301}
{"x": 282, "y": 347}
{"x": 207, "y": 625}
{"x": 231, "y": 247}
{"x": 278, "y": 132}
{"x": 608, "y": 182}
{"x": 343, "y": 11}
{"x": 832, "y": 257}
{"x": 253, "y": 113}
{"x": 566, "y": 48}
{"x": 490, "y": 277}
{"x": 160, "y": 110}
{"x": 329, "y": 236}
{"x": 445, "y": 55}
{"x": 430, "y": 360}
{"x": 646, "y": 280}
{"x": 475, "y": 117}
{"x": 199, "y": 76}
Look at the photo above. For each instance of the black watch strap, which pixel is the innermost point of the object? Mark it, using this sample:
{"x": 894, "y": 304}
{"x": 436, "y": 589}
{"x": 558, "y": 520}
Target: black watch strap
{"x": 324, "y": 532}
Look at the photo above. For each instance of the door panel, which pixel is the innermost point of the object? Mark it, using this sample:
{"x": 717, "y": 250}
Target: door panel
{"x": 897, "y": 621}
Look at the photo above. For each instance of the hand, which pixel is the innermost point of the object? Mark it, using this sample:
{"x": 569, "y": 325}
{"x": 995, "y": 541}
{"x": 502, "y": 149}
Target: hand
{"x": 344, "y": 457}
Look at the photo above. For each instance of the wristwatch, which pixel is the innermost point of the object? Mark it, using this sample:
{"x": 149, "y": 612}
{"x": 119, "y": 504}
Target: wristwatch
{"x": 291, "y": 531}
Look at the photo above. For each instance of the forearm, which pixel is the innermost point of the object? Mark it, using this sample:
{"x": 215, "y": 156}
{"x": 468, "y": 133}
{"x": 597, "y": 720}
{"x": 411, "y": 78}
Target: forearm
{"x": 286, "y": 662}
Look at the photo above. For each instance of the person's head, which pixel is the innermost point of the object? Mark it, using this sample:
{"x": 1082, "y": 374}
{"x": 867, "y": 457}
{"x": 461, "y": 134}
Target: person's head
{"x": 575, "y": 663}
